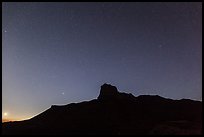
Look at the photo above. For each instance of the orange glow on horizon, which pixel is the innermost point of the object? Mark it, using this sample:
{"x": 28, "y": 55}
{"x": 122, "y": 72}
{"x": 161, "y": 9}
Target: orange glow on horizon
{"x": 11, "y": 120}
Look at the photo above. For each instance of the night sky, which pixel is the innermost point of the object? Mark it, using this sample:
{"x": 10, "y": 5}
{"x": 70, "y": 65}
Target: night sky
{"x": 58, "y": 53}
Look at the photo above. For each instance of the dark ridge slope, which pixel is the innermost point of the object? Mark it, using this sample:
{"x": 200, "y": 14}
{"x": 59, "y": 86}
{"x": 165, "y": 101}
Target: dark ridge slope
{"x": 115, "y": 113}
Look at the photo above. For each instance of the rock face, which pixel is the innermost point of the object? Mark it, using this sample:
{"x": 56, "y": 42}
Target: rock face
{"x": 115, "y": 113}
{"x": 108, "y": 92}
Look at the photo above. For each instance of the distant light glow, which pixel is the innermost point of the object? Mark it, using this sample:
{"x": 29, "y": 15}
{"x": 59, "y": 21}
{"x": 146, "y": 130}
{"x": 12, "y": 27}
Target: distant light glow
{"x": 5, "y": 114}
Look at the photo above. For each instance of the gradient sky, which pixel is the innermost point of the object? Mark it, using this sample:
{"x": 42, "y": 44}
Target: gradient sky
{"x": 58, "y": 53}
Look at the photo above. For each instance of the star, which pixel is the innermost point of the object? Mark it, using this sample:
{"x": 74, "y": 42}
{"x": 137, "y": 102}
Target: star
{"x": 62, "y": 93}
{"x": 160, "y": 46}
{"x": 5, "y": 31}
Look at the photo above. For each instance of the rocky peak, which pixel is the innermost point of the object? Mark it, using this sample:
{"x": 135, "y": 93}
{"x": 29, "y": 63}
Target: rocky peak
{"x": 108, "y": 92}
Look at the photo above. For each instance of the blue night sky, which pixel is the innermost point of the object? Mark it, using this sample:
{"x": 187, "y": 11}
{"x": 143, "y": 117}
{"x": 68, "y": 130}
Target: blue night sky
{"x": 58, "y": 53}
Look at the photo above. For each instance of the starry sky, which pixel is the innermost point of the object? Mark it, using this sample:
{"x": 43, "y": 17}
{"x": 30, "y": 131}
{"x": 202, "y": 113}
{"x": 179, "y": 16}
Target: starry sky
{"x": 58, "y": 53}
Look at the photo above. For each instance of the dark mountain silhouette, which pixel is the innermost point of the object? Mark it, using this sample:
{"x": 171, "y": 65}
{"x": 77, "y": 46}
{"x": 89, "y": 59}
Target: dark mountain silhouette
{"x": 114, "y": 112}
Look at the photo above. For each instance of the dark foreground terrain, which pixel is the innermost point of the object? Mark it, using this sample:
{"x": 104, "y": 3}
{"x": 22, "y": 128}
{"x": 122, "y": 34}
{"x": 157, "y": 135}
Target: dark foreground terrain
{"x": 115, "y": 113}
